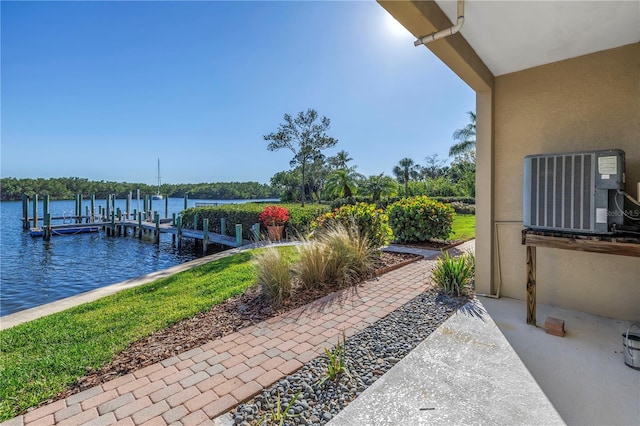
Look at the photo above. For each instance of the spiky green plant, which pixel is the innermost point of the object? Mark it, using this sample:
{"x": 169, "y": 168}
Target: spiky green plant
{"x": 336, "y": 361}
{"x": 454, "y": 274}
{"x": 278, "y": 415}
{"x": 274, "y": 276}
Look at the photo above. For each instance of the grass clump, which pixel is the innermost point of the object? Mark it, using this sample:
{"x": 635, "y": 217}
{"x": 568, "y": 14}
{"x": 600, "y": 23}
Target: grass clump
{"x": 350, "y": 254}
{"x": 274, "y": 276}
{"x": 312, "y": 265}
{"x": 40, "y": 358}
{"x": 337, "y": 253}
{"x": 454, "y": 275}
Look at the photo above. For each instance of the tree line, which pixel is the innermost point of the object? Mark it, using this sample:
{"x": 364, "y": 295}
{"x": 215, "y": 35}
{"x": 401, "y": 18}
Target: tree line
{"x": 312, "y": 176}
{"x": 315, "y": 176}
{"x": 11, "y": 189}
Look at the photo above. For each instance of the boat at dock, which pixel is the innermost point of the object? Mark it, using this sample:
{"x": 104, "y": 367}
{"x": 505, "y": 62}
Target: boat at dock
{"x": 66, "y": 229}
{"x": 158, "y": 195}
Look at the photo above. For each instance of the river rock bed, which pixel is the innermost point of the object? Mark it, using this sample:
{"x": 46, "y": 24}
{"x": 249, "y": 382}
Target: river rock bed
{"x": 368, "y": 355}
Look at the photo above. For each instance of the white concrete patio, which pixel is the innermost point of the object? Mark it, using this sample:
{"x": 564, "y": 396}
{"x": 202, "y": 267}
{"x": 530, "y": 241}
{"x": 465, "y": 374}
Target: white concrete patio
{"x": 485, "y": 365}
{"x": 583, "y": 373}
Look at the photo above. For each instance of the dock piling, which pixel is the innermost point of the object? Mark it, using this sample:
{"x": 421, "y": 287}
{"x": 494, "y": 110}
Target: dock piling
{"x": 25, "y": 211}
{"x": 128, "y": 206}
{"x": 179, "y": 231}
{"x": 35, "y": 210}
{"x": 46, "y": 230}
{"x": 238, "y": 235}
{"x": 256, "y": 232}
{"x": 156, "y": 217}
{"x": 205, "y": 235}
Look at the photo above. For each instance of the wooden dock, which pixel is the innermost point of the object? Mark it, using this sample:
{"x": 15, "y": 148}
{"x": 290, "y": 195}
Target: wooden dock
{"x": 116, "y": 223}
{"x": 139, "y": 228}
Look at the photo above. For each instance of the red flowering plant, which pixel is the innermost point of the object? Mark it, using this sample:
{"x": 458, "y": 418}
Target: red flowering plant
{"x": 274, "y": 216}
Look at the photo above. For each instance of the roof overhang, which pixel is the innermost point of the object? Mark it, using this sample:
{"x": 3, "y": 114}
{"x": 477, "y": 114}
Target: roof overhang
{"x": 502, "y": 37}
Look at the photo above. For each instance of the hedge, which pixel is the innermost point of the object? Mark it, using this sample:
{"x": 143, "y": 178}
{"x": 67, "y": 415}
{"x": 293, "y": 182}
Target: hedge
{"x": 382, "y": 204}
{"x": 246, "y": 214}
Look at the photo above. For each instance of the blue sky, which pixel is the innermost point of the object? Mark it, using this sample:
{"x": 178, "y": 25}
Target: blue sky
{"x": 100, "y": 90}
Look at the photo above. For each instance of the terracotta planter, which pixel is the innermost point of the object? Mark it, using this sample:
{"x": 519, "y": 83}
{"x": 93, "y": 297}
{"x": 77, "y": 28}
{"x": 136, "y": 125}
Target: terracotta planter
{"x": 275, "y": 232}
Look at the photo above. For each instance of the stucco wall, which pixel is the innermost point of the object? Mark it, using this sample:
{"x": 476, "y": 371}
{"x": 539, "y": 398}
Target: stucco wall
{"x": 585, "y": 103}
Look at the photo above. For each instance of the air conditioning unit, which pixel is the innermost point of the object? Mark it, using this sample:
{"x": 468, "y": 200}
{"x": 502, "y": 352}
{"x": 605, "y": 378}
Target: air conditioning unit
{"x": 574, "y": 192}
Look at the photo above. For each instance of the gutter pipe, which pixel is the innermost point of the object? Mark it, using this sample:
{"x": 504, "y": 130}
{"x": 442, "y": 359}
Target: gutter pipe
{"x": 444, "y": 33}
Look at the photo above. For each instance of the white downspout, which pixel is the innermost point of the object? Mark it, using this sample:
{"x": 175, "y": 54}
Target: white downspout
{"x": 444, "y": 33}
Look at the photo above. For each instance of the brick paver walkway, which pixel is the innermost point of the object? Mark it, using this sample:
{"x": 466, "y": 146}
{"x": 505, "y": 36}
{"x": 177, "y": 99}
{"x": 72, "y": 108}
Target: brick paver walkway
{"x": 203, "y": 383}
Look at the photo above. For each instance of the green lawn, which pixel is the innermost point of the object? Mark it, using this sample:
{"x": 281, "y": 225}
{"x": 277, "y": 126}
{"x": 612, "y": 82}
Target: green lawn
{"x": 464, "y": 227}
{"x": 41, "y": 358}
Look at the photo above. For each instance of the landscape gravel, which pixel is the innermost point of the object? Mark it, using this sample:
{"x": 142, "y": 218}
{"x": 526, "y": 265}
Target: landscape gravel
{"x": 369, "y": 354}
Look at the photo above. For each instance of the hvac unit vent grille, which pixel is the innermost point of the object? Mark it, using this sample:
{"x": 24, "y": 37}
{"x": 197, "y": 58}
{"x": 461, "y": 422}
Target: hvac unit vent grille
{"x": 561, "y": 195}
{"x": 574, "y": 192}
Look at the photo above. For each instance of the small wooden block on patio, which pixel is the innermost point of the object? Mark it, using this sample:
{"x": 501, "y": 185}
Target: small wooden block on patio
{"x": 554, "y": 326}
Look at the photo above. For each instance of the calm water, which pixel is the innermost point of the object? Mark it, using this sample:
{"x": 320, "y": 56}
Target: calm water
{"x": 34, "y": 272}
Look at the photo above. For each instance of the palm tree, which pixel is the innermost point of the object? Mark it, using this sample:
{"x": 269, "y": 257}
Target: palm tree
{"x": 342, "y": 183}
{"x": 340, "y": 160}
{"x": 406, "y": 170}
{"x": 466, "y": 137}
{"x": 378, "y": 186}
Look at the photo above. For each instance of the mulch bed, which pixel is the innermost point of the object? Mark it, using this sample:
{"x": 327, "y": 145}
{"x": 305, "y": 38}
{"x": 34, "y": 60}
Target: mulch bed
{"x": 232, "y": 315}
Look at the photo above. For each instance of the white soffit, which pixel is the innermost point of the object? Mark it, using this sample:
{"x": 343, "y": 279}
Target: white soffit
{"x": 512, "y": 35}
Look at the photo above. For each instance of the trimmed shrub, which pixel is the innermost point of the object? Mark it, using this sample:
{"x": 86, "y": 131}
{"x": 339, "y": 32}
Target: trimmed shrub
{"x": 454, "y": 275}
{"x": 371, "y": 222}
{"x": 274, "y": 276}
{"x": 419, "y": 219}
{"x": 462, "y": 208}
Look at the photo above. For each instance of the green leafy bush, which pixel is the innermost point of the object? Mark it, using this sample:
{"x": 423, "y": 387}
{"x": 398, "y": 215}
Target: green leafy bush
{"x": 274, "y": 276}
{"x": 419, "y": 219}
{"x": 454, "y": 275}
{"x": 372, "y": 222}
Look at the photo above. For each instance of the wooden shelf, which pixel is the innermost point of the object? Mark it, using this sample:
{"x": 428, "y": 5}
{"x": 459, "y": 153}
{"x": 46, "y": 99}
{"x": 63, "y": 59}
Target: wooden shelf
{"x": 606, "y": 244}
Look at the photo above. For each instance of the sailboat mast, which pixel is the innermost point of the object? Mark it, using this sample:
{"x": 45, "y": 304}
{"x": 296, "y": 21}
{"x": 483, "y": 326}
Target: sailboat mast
{"x": 158, "y": 175}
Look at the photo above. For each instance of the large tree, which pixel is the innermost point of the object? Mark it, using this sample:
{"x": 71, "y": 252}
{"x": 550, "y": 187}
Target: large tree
{"x": 465, "y": 137}
{"x": 434, "y": 167}
{"x": 305, "y": 137}
{"x": 405, "y": 171}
